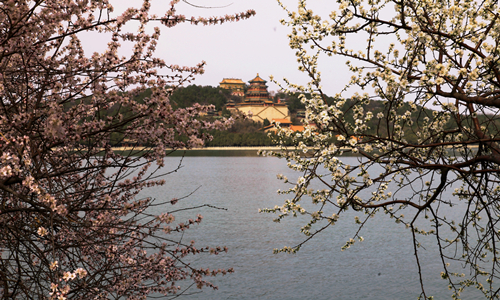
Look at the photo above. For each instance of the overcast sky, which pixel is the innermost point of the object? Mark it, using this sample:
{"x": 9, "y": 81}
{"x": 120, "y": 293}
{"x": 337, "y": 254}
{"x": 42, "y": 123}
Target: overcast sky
{"x": 239, "y": 49}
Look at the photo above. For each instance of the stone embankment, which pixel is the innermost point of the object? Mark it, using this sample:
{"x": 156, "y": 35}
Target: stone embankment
{"x": 205, "y": 148}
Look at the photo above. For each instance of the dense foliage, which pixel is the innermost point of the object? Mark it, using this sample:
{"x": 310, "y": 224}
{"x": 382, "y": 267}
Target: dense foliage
{"x": 205, "y": 95}
{"x": 249, "y": 133}
{"x": 292, "y": 100}
{"x": 243, "y": 132}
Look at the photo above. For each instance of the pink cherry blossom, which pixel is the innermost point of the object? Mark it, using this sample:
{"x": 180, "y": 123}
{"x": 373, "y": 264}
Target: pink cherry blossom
{"x": 72, "y": 223}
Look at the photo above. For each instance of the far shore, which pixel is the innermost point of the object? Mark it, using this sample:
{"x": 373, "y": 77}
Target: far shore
{"x": 256, "y": 148}
{"x": 232, "y": 148}
{"x": 225, "y": 151}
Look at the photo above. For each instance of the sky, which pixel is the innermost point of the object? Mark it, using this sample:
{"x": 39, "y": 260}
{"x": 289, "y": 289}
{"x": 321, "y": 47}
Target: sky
{"x": 243, "y": 49}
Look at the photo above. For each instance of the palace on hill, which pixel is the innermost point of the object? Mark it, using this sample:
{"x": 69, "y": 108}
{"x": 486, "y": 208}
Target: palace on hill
{"x": 256, "y": 102}
{"x": 237, "y": 86}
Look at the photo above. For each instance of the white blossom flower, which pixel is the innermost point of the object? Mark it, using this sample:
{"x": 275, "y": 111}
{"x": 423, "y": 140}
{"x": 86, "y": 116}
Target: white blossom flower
{"x": 81, "y": 272}
{"x": 42, "y": 231}
{"x": 69, "y": 276}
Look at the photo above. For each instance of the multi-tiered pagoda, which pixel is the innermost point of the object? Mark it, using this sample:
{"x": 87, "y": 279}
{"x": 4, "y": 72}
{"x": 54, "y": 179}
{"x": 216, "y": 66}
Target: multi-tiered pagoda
{"x": 259, "y": 105}
{"x": 257, "y": 92}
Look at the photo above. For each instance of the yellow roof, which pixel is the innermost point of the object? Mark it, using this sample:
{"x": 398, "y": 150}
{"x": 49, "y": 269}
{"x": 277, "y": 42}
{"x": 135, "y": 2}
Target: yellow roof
{"x": 257, "y": 78}
{"x": 231, "y": 80}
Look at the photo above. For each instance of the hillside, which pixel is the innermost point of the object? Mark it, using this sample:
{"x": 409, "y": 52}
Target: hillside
{"x": 249, "y": 133}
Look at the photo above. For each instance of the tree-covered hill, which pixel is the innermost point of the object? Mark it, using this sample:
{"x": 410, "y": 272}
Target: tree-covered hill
{"x": 206, "y": 95}
{"x": 249, "y": 133}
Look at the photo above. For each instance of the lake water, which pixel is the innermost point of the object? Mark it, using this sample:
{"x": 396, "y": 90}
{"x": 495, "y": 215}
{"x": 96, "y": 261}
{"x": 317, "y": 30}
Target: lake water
{"x": 381, "y": 267}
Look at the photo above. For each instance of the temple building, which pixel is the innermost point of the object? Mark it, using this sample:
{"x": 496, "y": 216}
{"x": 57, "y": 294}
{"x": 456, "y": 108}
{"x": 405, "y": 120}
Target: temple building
{"x": 257, "y": 92}
{"x": 259, "y": 104}
{"x": 237, "y": 86}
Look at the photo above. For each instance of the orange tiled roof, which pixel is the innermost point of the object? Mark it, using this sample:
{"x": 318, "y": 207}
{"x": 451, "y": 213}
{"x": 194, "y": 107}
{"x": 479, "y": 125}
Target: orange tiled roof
{"x": 283, "y": 121}
{"x": 292, "y": 128}
{"x": 297, "y": 128}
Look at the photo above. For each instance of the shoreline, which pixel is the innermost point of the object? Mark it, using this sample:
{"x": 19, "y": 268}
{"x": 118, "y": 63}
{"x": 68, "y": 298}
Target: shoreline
{"x": 232, "y": 148}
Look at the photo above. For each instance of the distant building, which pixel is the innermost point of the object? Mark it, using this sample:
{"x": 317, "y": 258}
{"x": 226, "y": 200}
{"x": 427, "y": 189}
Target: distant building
{"x": 237, "y": 86}
{"x": 257, "y": 92}
{"x": 258, "y": 103}
{"x": 286, "y": 124}
{"x": 230, "y": 105}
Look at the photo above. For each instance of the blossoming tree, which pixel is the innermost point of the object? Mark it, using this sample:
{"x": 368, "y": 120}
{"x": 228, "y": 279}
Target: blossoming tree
{"x": 72, "y": 222}
{"x": 432, "y": 70}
